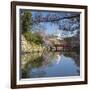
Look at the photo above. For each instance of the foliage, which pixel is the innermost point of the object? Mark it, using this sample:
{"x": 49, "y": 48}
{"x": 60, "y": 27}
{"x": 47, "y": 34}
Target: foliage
{"x": 27, "y": 35}
{"x": 26, "y": 21}
{"x": 68, "y": 39}
{"x": 33, "y": 37}
{"x": 37, "y": 38}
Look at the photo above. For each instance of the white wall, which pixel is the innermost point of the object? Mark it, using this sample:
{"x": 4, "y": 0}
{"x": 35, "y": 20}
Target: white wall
{"x": 5, "y": 44}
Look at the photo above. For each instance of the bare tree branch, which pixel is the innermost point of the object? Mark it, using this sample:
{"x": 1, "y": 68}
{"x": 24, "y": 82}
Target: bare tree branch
{"x": 52, "y": 19}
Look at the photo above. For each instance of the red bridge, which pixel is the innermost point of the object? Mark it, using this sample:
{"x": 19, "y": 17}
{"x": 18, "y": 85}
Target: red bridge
{"x": 61, "y": 47}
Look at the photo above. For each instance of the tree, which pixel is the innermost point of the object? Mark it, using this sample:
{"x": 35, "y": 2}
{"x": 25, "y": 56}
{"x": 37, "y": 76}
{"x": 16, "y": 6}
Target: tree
{"x": 26, "y": 19}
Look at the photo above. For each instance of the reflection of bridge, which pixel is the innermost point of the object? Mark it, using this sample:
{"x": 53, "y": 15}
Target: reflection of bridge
{"x": 61, "y": 47}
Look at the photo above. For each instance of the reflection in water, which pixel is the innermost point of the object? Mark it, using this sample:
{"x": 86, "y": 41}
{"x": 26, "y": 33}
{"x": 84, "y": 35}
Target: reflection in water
{"x": 52, "y": 64}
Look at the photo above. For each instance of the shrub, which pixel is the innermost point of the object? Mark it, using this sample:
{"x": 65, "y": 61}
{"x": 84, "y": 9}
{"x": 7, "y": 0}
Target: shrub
{"x": 33, "y": 37}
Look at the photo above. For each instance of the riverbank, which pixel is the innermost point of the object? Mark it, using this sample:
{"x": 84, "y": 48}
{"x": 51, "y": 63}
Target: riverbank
{"x": 28, "y": 47}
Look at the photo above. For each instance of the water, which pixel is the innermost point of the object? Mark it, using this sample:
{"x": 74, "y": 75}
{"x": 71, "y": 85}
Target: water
{"x": 52, "y": 64}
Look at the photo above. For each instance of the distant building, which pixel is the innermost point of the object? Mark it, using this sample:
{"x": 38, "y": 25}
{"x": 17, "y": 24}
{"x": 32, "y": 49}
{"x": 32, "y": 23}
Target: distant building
{"x": 59, "y": 34}
{"x": 59, "y": 37}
